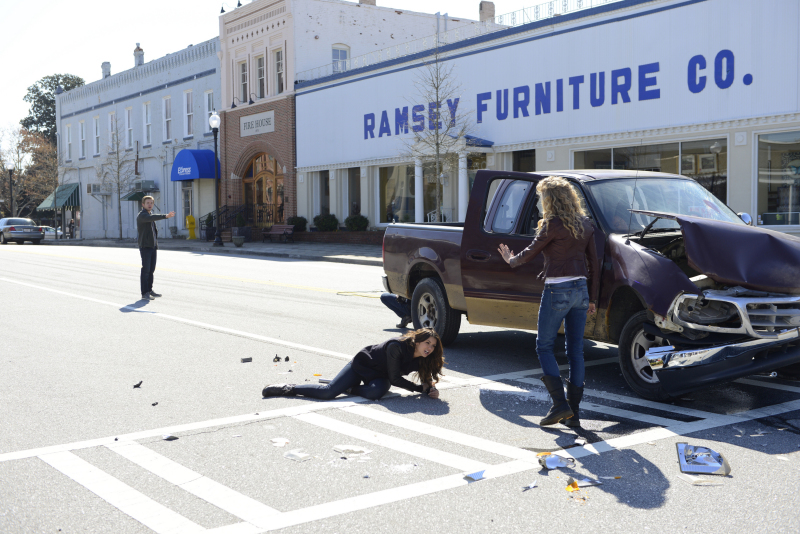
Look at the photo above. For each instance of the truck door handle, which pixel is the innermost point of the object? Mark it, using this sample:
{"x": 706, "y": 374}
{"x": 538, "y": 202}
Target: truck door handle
{"x": 478, "y": 255}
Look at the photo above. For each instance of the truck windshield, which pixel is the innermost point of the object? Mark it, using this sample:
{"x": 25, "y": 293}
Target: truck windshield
{"x": 682, "y": 197}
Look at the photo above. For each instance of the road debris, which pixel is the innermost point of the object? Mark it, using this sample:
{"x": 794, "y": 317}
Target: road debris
{"x": 366, "y": 476}
{"x": 529, "y": 486}
{"x": 138, "y": 386}
{"x": 584, "y": 482}
{"x": 287, "y": 359}
{"x": 279, "y": 442}
{"x": 324, "y": 380}
{"x": 317, "y": 374}
{"x": 297, "y": 455}
{"x": 784, "y": 458}
{"x": 247, "y": 360}
{"x": 155, "y": 404}
{"x": 699, "y": 481}
{"x": 474, "y": 477}
{"x": 580, "y": 441}
{"x": 610, "y": 478}
{"x": 169, "y": 437}
{"x": 694, "y": 459}
{"x": 276, "y": 358}
{"x": 351, "y": 450}
{"x": 552, "y": 461}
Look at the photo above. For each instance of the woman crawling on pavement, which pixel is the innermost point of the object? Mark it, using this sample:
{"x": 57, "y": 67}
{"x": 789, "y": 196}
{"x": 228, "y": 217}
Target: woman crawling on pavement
{"x": 378, "y": 367}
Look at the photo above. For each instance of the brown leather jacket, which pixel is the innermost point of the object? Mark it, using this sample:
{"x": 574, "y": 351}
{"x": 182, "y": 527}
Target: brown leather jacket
{"x": 564, "y": 255}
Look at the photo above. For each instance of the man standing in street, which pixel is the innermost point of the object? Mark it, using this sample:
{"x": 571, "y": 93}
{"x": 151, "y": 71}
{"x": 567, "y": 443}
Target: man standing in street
{"x": 148, "y": 245}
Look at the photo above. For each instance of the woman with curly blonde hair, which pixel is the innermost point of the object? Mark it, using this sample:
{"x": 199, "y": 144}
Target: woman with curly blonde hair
{"x": 565, "y": 237}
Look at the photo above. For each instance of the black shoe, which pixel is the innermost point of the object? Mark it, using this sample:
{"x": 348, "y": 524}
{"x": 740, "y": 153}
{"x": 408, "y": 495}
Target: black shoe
{"x": 278, "y": 390}
{"x": 153, "y": 293}
{"x": 560, "y": 409}
{"x": 404, "y": 322}
{"x": 147, "y": 296}
{"x": 574, "y": 397}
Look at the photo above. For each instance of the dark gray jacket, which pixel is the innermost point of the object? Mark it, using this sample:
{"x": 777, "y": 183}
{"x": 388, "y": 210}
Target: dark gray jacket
{"x": 148, "y": 233}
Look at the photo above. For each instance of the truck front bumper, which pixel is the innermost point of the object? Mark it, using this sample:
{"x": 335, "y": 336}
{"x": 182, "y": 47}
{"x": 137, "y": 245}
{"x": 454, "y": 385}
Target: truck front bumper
{"x": 681, "y": 371}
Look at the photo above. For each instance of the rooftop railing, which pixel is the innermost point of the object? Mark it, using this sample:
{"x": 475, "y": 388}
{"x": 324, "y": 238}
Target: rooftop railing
{"x": 543, "y": 11}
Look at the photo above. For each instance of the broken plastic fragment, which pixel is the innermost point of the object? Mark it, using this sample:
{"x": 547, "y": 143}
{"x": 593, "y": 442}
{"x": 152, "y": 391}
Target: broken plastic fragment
{"x": 279, "y": 442}
{"x": 611, "y": 478}
{"x": 586, "y": 482}
{"x": 276, "y": 358}
{"x": 247, "y": 360}
{"x": 351, "y": 450}
{"x": 287, "y": 359}
{"x": 699, "y": 481}
{"x": 137, "y": 386}
{"x": 169, "y": 437}
{"x": 297, "y": 455}
{"x": 572, "y": 485}
{"x": 551, "y": 461}
{"x": 366, "y": 476}
{"x": 580, "y": 441}
{"x": 529, "y": 486}
{"x": 155, "y": 404}
{"x": 694, "y": 459}
{"x": 474, "y": 477}
{"x": 784, "y": 458}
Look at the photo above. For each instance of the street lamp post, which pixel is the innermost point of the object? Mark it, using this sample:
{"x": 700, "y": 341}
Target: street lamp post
{"x": 214, "y": 121}
{"x": 10, "y": 167}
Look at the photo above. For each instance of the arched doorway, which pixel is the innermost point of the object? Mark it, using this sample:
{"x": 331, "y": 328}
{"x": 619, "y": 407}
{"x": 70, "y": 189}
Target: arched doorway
{"x": 263, "y": 191}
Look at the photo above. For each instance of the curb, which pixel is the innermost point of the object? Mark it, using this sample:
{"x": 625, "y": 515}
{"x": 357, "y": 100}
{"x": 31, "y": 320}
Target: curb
{"x": 215, "y": 250}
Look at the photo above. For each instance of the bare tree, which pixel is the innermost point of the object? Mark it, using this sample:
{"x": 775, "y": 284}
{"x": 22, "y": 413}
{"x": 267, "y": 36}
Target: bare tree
{"x": 445, "y": 126}
{"x": 118, "y": 171}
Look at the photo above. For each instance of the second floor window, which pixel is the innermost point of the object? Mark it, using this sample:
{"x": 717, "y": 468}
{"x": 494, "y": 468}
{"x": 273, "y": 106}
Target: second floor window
{"x": 167, "y": 119}
{"x": 82, "y": 134}
{"x": 243, "y": 96}
{"x": 188, "y": 122}
{"x": 209, "y": 108}
{"x": 148, "y": 119}
{"x": 97, "y": 135}
{"x": 260, "y": 72}
{"x": 339, "y": 59}
{"x": 128, "y": 128}
{"x": 112, "y": 132}
{"x": 69, "y": 141}
{"x": 278, "y": 72}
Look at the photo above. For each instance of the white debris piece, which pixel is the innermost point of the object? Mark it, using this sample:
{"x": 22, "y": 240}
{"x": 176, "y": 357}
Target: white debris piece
{"x": 699, "y": 481}
{"x": 279, "y": 442}
{"x": 552, "y": 461}
{"x": 351, "y": 450}
{"x": 297, "y": 455}
{"x": 580, "y": 441}
{"x": 169, "y": 437}
{"x": 474, "y": 477}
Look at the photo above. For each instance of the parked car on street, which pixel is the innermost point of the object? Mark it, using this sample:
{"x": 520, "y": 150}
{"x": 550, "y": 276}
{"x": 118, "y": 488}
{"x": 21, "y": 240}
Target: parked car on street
{"x": 50, "y": 232}
{"x": 20, "y": 230}
{"x": 690, "y": 292}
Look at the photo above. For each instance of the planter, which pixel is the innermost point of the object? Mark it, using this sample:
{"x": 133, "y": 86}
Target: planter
{"x": 238, "y": 240}
{"x": 244, "y": 231}
{"x": 210, "y": 233}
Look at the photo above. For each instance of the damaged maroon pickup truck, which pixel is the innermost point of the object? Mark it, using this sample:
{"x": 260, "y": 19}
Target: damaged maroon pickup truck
{"x": 690, "y": 292}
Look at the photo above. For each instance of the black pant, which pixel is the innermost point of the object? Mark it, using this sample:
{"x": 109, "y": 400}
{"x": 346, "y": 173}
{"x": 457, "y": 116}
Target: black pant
{"x": 148, "y": 268}
{"x": 347, "y": 378}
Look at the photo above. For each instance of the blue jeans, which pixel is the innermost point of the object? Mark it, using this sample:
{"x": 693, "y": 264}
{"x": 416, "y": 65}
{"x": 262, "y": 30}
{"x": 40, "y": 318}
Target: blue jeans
{"x": 400, "y": 306}
{"x": 347, "y": 378}
{"x": 148, "y": 255}
{"x": 568, "y": 302}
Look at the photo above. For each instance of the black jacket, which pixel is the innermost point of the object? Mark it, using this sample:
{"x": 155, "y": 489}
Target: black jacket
{"x": 148, "y": 233}
{"x": 391, "y": 359}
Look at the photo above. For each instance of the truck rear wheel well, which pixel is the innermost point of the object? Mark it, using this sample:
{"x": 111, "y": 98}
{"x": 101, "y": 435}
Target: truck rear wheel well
{"x": 624, "y": 303}
{"x": 418, "y": 273}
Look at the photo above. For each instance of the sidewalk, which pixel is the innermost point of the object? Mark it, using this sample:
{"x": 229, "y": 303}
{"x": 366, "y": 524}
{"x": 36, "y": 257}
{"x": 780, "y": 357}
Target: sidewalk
{"x": 334, "y": 252}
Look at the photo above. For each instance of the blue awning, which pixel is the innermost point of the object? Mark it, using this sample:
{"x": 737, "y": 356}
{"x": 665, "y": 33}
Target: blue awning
{"x": 193, "y": 165}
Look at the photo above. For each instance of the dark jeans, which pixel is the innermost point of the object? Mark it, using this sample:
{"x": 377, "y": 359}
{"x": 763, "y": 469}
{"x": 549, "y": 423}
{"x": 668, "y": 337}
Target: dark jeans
{"x": 399, "y": 305}
{"x": 568, "y": 302}
{"x": 347, "y": 378}
{"x": 148, "y": 268}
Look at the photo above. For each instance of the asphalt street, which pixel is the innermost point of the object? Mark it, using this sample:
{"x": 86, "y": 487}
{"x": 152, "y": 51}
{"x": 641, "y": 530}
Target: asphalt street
{"x": 82, "y": 450}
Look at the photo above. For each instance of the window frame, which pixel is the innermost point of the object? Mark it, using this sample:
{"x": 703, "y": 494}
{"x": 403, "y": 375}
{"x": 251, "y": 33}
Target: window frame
{"x": 209, "y": 106}
{"x": 147, "y": 120}
{"x": 96, "y": 125}
{"x": 261, "y": 76}
{"x": 336, "y": 63}
{"x": 69, "y": 142}
{"x": 188, "y": 113}
{"x": 242, "y": 70}
{"x": 81, "y": 139}
{"x": 128, "y": 127}
{"x": 166, "y": 113}
{"x": 280, "y": 68}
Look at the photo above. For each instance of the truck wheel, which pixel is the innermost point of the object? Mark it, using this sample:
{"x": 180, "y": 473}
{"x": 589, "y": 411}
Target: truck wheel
{"x": 430, "y": 309}
{"x": 633, "y": 343}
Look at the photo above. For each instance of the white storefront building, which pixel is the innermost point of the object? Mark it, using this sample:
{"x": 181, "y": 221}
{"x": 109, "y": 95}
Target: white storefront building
{"x": 704, "y": 88}
{"x": 124, "y": 132}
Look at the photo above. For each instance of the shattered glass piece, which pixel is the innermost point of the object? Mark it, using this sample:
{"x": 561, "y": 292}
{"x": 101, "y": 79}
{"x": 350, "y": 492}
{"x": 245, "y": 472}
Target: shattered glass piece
{"x": 529, "y": 486}
{"x": 699, "y": 481}
{"x": 476, "y": 476}
{"x": 169, "y": 437}
{"x": 279, "y": 442}
{"x": 551, "y": 461}
{"x": 351, "y": 450}
{"x": 694, "y": 459}
{"x": 784, "y": 458}
{"x": 297, "y": 455}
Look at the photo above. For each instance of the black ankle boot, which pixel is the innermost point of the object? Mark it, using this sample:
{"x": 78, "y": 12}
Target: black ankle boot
{"x": 574, "y": 397}
{"x": 560, "y": 409}
{"x": 278, "y": 390}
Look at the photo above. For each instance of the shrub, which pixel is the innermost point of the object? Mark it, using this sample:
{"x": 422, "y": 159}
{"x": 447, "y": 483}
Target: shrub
{"x": 239, "y": 220}
{"x": 210, "y": 220}
{"x": 326, "y": 223}
{"x": 299, "y": 223}
{"x": 356, "y": 223}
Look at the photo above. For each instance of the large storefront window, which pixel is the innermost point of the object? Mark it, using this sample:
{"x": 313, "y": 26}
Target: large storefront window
{"x": 706, "y": 161}
{"x": 324, "y": 193}
{"x": 779, "y": 178}
{"x": 396, "y": 190}
{"x": 354, "y": 190}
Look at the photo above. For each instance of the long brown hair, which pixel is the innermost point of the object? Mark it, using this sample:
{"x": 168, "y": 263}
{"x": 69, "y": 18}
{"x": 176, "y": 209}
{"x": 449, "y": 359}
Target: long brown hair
{"x": 559, "y": 199}
{"x": 430, "y": 367}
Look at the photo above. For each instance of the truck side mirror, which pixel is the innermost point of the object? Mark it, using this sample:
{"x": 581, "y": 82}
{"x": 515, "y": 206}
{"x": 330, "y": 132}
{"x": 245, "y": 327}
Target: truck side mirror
{"x": 746, "y": 218}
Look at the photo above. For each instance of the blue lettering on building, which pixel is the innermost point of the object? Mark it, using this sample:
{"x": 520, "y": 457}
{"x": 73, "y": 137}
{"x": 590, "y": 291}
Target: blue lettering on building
{"x": 621, "y": 89}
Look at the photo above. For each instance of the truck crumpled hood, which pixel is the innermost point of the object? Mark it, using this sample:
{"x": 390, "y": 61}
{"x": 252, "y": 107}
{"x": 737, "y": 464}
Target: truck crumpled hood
{"x": 740, "y": 255}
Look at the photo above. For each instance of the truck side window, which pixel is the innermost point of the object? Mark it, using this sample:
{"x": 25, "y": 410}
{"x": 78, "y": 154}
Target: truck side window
{"x": 508, "y": 211}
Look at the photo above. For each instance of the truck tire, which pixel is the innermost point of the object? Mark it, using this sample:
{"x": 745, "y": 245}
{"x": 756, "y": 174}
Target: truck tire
{"x": 633, "y": 343}
{"x": 430, "y": 309}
